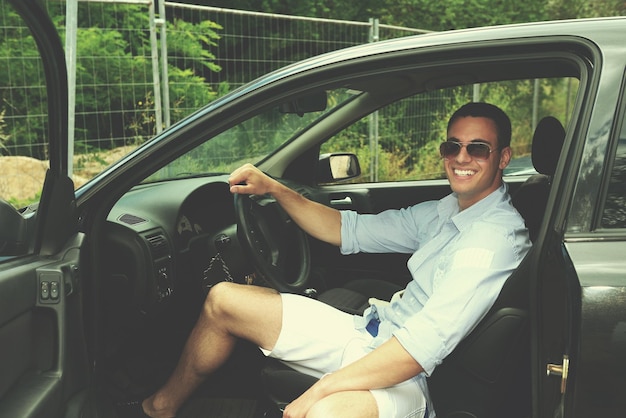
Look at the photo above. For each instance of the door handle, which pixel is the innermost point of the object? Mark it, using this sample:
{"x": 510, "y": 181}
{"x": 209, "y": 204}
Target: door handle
{"x": 345, "y": 201}
{"x": 561, "y": 370}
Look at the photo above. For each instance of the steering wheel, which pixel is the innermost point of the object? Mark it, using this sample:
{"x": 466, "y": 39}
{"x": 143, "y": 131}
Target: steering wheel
{"x": 279, "y": 249}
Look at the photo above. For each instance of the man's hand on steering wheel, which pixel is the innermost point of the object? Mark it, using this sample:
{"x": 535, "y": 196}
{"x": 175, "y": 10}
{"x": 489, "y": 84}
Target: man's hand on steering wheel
{"x": 248, "y": 179}
{"x": 277, "y": 246}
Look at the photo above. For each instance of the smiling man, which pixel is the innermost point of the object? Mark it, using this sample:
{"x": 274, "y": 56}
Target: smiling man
{"x": 464, "y": 247}
{"x": 474, "y": 174}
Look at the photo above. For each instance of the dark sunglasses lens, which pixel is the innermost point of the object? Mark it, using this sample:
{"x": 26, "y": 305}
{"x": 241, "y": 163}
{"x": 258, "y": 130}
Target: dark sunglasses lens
{"x": 449, "y": 149}
{"x": 480, "y": 151}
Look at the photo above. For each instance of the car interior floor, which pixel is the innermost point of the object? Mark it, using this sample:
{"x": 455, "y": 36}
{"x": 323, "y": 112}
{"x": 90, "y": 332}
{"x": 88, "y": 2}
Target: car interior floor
{"x": 143, "y": 360}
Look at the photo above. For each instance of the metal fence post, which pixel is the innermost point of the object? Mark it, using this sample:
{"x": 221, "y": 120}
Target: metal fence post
{"x": 158, "y": 109}
{"x": 536, "y": 93}
{"x": 71, "y": 27}
{"x": 476, "y": 92}
{"x": 162, "y": 24}
{"x": 373, "y": 118}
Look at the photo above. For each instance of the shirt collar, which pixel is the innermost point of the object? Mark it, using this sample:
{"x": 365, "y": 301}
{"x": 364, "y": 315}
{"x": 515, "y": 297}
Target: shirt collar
{"x": 448, "y": 207}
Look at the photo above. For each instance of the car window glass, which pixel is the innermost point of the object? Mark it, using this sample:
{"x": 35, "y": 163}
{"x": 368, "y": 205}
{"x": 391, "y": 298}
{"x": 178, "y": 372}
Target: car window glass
{"x": 614, "y": 213}
{"x": 23, "y": 135}
{"x": 249, "y": 141}
{"x": 401, "y": 140}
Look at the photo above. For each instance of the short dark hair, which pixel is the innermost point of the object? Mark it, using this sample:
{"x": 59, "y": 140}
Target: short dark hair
{"x": 486, "y": 110}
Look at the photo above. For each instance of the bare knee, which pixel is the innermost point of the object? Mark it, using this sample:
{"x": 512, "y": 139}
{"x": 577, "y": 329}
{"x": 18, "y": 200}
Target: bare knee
{"x": 250, "y": 312}
{"x": 233, "y": 302}
{"x": 219, "y": 301}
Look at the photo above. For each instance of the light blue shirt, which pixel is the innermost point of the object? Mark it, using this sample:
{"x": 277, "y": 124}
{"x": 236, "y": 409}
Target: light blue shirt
{"x": 460, "y": 262}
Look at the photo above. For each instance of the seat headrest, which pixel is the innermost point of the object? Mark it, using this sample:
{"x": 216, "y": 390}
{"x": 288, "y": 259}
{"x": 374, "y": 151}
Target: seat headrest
{"x": 547, "y": 143}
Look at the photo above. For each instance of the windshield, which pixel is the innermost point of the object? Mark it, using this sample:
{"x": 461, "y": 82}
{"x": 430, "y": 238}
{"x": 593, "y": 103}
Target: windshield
{"x": 249, "y": 141}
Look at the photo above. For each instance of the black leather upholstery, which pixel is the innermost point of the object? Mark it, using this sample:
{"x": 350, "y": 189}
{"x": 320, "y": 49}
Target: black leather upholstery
{"x": 354, "y": 296}
{"x": 488, "y": 374}
{"x": 532, "y": 196}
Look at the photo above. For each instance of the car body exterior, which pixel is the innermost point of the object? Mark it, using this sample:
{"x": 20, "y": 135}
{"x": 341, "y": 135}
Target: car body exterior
{"x": 114, "y": 273}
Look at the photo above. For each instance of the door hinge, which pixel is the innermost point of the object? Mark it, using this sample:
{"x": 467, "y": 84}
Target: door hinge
{"x": 560, "y": 370}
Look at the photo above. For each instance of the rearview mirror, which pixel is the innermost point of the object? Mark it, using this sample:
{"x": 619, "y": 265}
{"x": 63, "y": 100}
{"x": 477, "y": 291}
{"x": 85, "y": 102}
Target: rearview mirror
{"x": 312, "y": 102}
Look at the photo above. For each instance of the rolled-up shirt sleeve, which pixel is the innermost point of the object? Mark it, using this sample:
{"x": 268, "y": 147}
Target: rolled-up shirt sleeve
{"x": 467, "y": 280}
{"x": 388, "y": 231}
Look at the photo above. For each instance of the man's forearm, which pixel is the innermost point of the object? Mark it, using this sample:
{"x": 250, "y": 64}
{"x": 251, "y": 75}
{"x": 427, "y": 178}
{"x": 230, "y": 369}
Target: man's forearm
{"x": 386, "y": 366}
{"x": 322, "y": 222}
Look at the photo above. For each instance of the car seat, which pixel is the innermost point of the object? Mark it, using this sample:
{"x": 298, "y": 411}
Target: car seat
{"x": 532, "y": 196}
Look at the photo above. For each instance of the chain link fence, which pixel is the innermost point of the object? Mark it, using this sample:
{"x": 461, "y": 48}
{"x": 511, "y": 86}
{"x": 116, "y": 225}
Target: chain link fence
{"x": 124, "y": 93}
{"x": 134, "y": 69}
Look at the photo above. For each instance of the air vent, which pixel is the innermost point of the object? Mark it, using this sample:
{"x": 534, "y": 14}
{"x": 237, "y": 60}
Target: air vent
{"x": 129, "y": 219}
{"x": 158, "y": 245}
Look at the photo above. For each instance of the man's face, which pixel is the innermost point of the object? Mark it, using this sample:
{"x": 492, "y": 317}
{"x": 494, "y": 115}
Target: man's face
{"x": 470, "y": 177}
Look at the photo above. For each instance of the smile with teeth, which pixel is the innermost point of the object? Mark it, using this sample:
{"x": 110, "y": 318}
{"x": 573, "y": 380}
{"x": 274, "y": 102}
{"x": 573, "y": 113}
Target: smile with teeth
{"x": 463, "y": 173}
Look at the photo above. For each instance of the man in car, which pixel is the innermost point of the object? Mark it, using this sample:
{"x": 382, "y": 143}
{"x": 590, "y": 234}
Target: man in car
{"x": 464, "y": 247}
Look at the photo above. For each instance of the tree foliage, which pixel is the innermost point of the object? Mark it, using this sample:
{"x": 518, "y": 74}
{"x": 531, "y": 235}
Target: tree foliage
{"x": 434, "y": 15}
{"x": 112, "y": 60}
{"x": 20, "y": 97}
{"x": 114, "y": 94}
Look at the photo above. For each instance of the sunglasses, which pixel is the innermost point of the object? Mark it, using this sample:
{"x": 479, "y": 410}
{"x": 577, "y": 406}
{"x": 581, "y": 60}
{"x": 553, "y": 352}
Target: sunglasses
{"x": 477, "y": 150}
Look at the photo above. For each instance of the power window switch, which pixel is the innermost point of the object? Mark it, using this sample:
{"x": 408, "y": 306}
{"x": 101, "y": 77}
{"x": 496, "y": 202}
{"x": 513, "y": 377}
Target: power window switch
{"x": 54, "y": 290}
{"x": 44, "y": 292}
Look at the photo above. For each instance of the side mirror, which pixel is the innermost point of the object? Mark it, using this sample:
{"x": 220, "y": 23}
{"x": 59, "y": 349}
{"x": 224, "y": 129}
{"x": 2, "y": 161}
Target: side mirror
{"x": 337, "y": 167}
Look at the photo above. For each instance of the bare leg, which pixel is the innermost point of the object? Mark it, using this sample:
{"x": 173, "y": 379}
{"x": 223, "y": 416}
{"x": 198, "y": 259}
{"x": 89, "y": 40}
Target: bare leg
{"x": 230, "y": 312}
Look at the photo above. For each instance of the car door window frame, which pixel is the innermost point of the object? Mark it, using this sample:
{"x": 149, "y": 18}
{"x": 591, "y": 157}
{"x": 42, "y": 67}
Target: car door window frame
{"x": 617, "y": 147}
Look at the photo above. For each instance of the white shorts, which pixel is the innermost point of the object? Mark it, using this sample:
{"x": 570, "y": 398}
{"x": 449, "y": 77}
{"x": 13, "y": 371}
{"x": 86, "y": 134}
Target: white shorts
{"x": 317, "y": 339}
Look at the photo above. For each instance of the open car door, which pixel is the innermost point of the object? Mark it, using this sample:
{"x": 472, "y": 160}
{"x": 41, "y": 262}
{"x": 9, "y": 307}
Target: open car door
{"x": 42, "y": 350}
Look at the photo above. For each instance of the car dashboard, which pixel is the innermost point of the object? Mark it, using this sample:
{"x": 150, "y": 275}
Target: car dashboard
{"x": 160, "y": 240}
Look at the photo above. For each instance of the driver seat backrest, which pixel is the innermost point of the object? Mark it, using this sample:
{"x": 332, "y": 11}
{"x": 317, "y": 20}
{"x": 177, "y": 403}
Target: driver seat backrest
{"x": 532, "y": 196}
{"x": 488, "y": 373}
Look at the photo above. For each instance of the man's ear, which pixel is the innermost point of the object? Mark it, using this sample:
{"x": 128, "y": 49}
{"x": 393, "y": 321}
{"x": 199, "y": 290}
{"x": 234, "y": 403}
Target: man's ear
{"x": 505, "y": 157}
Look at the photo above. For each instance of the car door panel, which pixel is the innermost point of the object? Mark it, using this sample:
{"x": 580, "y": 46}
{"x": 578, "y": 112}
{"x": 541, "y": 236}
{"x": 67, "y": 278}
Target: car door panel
{"x": 396, "y": 196}
{"x": 357, "y": 199}
{"x": 26, "y": 345}
{"x": 36, "y": 295}
{"x": 600, "y": 267}
{"x": 550, "y": 275}
{"x": 42, "y": 346}
{"x": 376, "y": 197}
{"x": 372, "y": 198}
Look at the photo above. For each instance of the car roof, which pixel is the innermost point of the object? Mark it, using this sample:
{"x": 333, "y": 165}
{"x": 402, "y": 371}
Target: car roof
{"x": 597, "y": 31}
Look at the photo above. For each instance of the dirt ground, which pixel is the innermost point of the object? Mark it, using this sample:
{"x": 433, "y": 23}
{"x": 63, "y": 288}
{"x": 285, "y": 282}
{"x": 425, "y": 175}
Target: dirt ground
{"x": 22, "y": 177}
